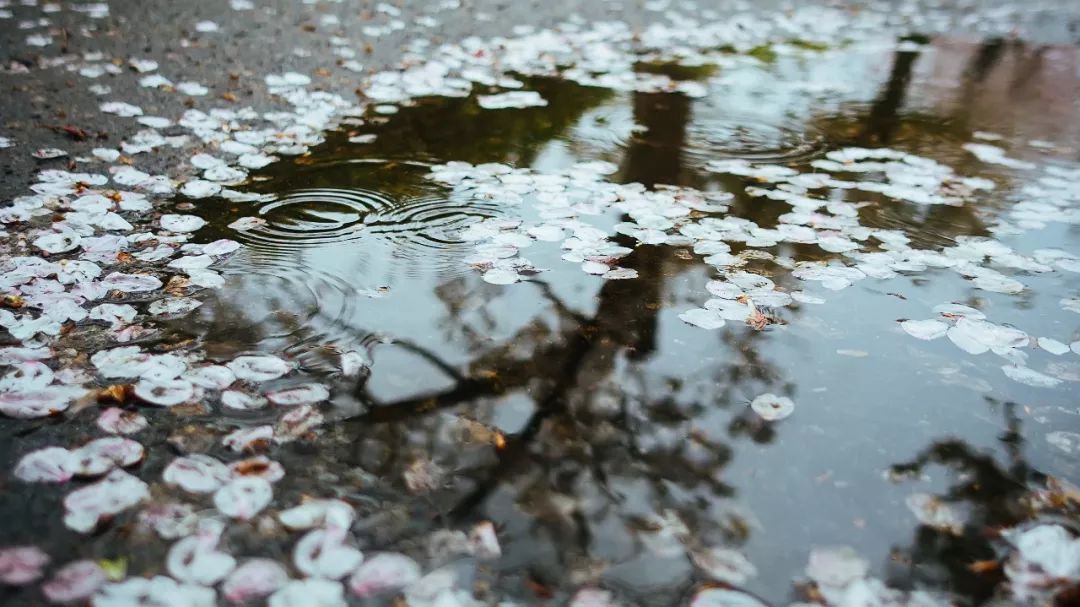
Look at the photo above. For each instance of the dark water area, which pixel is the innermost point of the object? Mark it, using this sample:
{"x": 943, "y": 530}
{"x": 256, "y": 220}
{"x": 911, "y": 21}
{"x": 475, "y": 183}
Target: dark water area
{"x": 576, "y": 413}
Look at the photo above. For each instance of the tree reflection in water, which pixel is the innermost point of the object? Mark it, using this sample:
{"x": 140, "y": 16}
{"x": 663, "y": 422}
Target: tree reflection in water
{"x": 560, "y": 432}
{"x": 996, "y": 492}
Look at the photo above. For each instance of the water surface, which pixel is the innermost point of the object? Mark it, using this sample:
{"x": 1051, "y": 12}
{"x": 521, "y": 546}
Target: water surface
{"x": 609, "y": 410}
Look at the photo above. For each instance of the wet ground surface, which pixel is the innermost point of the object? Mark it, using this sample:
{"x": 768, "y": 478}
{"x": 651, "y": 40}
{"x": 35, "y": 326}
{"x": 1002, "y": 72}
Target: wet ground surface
{"x": 751, "y": 319}
{"x": 614, "y": 409}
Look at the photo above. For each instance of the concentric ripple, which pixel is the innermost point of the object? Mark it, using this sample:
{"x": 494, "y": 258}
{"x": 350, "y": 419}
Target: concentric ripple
{"x": 723, "y": 138}
{"x": 412, "y": 225}
{"x": 427, "y": 222}
{"x": 274, "y": 300}
{"x": 314, "y": 217}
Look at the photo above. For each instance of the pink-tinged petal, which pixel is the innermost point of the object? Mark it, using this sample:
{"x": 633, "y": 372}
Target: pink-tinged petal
{"x": 48, "y": 465}
{"x": 323, "y": 553}
{"x": 170, "y": 520}
{"x": 434, "y": 587}
{"x": 20, "y": 565}
{"x": 11, "y": 355}
{"x": 297, "y": 423}
{"x": 244, "y": 497}
{"x": 484, "y": 541}
{"x": 101, "y": 455}
{"x": 165, "y": 393}
{"x": 131, "y": 283}
{"x": 386, "y": 572}
{"x": 38, "y": 403}
{"x": 115, "y": 493}
{"x": 307, "y": 394}
{"x": 307, "y": 593}
{"x": 241, "y": 401}
{"x": 196, "y": 473}
{"x": 115, "y": 420}
{"x": 159, "y": 590}
{"x": 318, "y": 513}
{"x": 254, "y": 579}
{"x": 221, "y": 247}
{"x": 247, "y": 439}
{"x": 196, "y": 559}
{"x": 258, "y": 368}
{"x": 259, "y": 466}
{"x": 75, "y": 581}
{"x": 211, "y": 377}
{"x": 592, "y": 597}
{"x": 27, "y": 376}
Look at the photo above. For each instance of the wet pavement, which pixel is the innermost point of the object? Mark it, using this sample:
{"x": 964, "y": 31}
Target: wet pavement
{"x": 664, "y": 331}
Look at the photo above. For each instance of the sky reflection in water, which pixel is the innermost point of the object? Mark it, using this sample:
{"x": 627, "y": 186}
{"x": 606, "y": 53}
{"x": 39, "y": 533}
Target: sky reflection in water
{"x": 614, "y": 410}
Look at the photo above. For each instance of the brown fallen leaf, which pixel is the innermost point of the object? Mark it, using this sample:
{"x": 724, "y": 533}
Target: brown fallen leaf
{"x": 542, "y": 591}
{"x": 116, "y": 393}
{"x": 177, "y": 285}
{"x": 251, "y": 466}
{"x": 758, "y": 321}
{"x": 74, "y": 132}
{"x": 984, "y": 566}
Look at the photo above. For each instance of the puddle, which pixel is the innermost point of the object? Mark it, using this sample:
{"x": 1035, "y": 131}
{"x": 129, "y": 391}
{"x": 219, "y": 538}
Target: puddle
{"x": 614, "y": 410}
{"x": 610, "y": 416}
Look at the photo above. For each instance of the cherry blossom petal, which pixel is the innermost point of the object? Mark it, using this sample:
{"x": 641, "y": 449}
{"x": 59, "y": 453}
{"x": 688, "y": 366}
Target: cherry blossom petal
{"x": 247, "y": 439}
{"x": 196, "y": 560}
{"x": 254, "y": 579}
{"x": 300, "y": 395}
{"x": 235, "y": 399}
{"x": 323, "y": 553}
{"x": 297, "y": 423}
{"x": 76, "y": 581}
{"x": 724, "y": 564}
{"x": 115, "y": 493}
{"x": 118, "y": 421}
{"x": 21, "y": 565}
{"x": 181, "y": 223}
{"x": 101, "y": 455}
{"x": 243, "y": 497}
{"x": 159, "y": 590}
{"x": 48, "y": 465}
{"x": 197, "y": 473}
{"x": 836, "y": 566}
{"x": 220, "y": 247}
{"x": 173, "y": 307}
{"x": 211, "y": 377}
{"x": 58, "y": 242}
{"x": 700, "y": 317}
{"x": 38, "y": 403}
{"x": 168, "y": 393}
{"x": 772, "y": 407}
{"x": 318, "y": 513}
{"x": 501, "y": 276}
{"x": 309, "y": 593}
{"x": 924, "y": 329}
{"x": 170, "y": 520}
{"x": 131, "y": 283}
{"x": 385, "y": 572}
{"x": 258, "y": 368}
